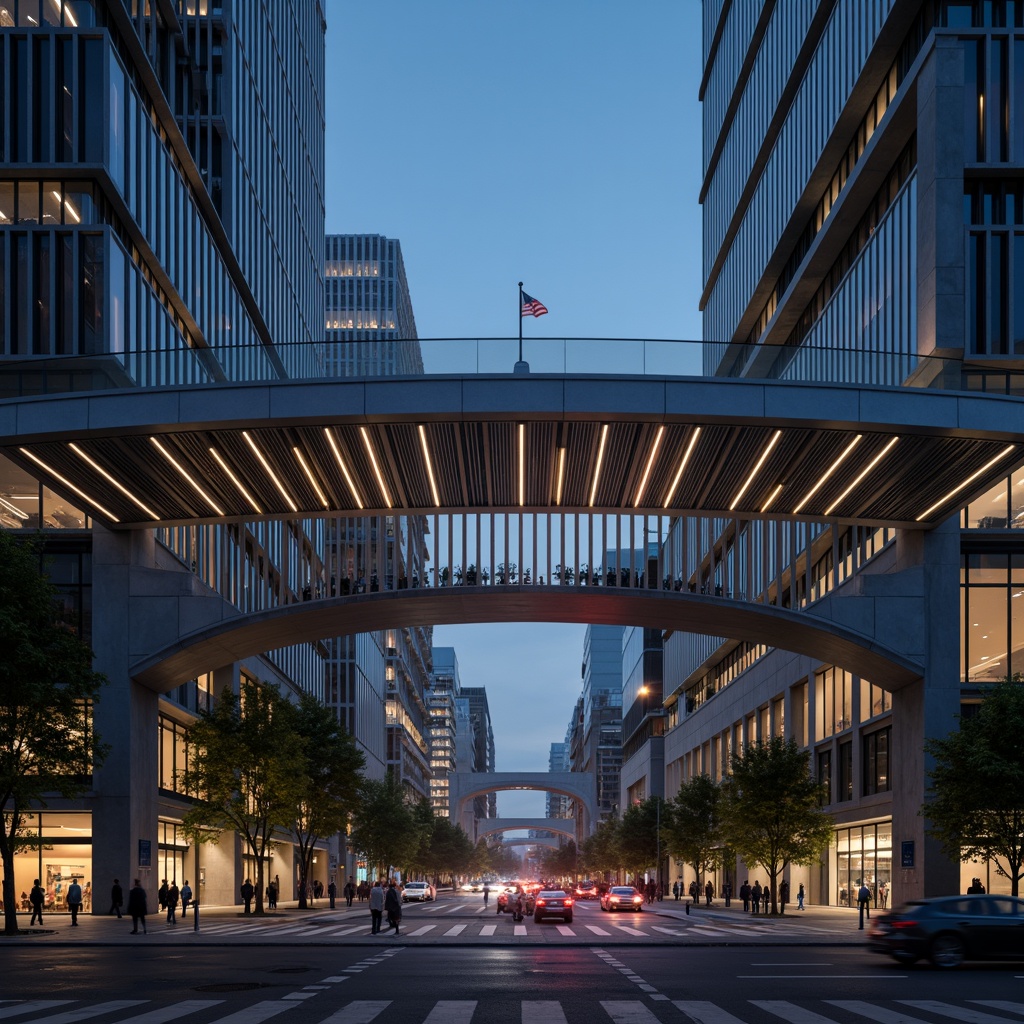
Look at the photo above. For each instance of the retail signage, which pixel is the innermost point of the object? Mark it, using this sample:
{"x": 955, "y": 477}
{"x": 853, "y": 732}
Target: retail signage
{"x": 907, "y": 853}
{"x": 145, "y": 853}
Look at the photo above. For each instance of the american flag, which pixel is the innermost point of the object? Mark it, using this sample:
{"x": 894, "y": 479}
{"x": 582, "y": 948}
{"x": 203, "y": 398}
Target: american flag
{"x": 531, "y": 307}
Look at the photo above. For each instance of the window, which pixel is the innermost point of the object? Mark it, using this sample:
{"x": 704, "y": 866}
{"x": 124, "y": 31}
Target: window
{"x": 845, "y": 791}
{"x": 877, "y": 778}
{"x": 825, "y": 771}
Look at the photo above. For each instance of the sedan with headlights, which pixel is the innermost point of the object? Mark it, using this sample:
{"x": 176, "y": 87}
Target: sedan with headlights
{"x": 552, "y": 903}
{"x": 622, "y": 897}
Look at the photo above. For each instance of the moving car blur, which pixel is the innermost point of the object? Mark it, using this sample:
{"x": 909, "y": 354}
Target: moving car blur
{"x": 622, "y": 897}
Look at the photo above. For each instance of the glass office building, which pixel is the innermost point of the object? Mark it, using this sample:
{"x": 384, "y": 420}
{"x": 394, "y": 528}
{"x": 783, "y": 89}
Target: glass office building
{"x": 863, "y": 223}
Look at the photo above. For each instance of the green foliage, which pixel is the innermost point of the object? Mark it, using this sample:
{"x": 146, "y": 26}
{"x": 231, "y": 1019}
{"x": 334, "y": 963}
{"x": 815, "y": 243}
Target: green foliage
{"x": 561, "y": 862}
{"x": 693, "y": 832}
{"x": 447, "y": 849}
{"x": 246, "y": 771}
{"x": 771, "y": 808}
{"x": 599, "y": 852}
{"x": 976, "y": 805}
{"x": 47, "y": 688}
{"x": 638, "y": 835}
{"x": 384, "y": 828}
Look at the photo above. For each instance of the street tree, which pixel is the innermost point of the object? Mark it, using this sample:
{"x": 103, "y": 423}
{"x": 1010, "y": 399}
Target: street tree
{"x": 329, "y": 784}
{"x": 976, "y": 793}
{"x": 639, "y": 840}
{"x": 599, "y": 852}
{"x": 47, "y": 689}
{"x": 245, "y": 772}
{"x": 771, "y": 809}
{"x": 693, "y": 832}
{"x": 448, "y": 850}
{"x": 384, "y": 828}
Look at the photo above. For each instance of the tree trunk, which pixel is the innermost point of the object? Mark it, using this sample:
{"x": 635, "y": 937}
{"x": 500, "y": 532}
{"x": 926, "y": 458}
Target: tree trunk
{"x": 10, "y": 904}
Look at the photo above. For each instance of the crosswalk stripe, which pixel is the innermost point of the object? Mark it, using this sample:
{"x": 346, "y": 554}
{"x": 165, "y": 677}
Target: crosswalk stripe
{"x": 790, "y": 1012}
{"x": 260, "y": 1012}
{"x": 704, "y": 1013}
{"x": 875, "y": 1013}
{"x": 362, "y": 1011}
{"x": 423, "y": 931}
{"x": 667, "y": 931}
{"x": 543, "y": 1011}
{"x": 481, "y": 910}
{"x": 1000, "y": 1004}
{"x": 520, "y": 929}
{"x": 564, "y": 929}
{"x": 624, "y": 1011}
{"x": 488, "y": 929}
{"x": 345, "y": 931}
{"x": 631, "y": 931}
{"x": 598, "y": 931}
{"x": 451, "y": 1011}
{"x": 32, "y": 1006}
{"x": 963, "y": 1013}
{"x": 172, "y": 1012}
{"x": 456, "y": 930}
{"x": 84, "y": 1012}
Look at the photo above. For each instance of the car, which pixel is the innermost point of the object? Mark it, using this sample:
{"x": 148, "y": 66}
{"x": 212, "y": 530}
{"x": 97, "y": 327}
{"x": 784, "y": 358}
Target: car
{"x": 552, "y": 903}
{"x": 586, "y": 891}
{"x": 947, "y": 930}
{"x": 420, "y": 891}
{"x": 507, "y": 899}
{"x": 622, "y": 897}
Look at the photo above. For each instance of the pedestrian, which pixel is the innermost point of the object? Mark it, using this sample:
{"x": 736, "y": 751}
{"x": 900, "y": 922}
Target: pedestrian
{"x": 393, "y": 906}
{"x": 36, "y": 897}
{"x": 694, "y": 891}
{"x": 137, "y": 907}
{"x": 727, "y": 892}
{"x": 800, "y": 897}
{"x": 755, "y": 897}
{"x": 350, "y": 891}
{"x": 783, "y": 894}
{"x": 863, "y": 904}
{"x": 363, "y": 890}
{"x": 74, "y": 901}
{"x": 766, "y": 895}
{"x": 745, "y": 895}
{"x": 376, "y": 907}
{"x": 487, "y": 893}
{"x": 709, "y": 893}
{"x": 173, "y": 895}
{"x": 186, "y": 897}
{"x": 116, "y": 899}
{"x": 272, "y": 895}
{"x": 883, "y": 894}
{"x": 247, "y": 892}
{"x": 162, "y": 894}
{"x": 677, "y": 890}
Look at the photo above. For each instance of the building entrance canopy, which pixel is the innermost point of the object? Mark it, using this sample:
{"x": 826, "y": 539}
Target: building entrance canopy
{"x": 675, "y": 445}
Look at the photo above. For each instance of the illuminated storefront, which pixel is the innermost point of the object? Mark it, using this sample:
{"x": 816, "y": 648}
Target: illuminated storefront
{"x": 63, "y": 852}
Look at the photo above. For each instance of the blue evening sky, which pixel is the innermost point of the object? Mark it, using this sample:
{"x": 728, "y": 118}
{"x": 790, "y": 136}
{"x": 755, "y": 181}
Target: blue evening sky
{"x": 554, "y": 142}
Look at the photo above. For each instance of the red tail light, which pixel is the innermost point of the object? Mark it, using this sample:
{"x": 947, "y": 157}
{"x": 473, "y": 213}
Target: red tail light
{"x": 902, "y": 924}
{"x": 567, "y": 903}
{"x": 542, "y": 903}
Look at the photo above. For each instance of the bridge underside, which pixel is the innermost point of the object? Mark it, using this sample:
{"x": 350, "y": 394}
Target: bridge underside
{"x": 892, "y": 456}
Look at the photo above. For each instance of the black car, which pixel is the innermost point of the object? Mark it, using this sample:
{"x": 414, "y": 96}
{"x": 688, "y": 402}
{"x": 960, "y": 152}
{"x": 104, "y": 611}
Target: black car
{"x": 948, "y": 930}
{"x": 553, "y": 903}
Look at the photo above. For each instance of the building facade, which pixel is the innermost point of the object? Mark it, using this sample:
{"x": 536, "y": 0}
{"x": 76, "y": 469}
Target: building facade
{"x": 445, "y": 691}
{"x": 483, "y": 746}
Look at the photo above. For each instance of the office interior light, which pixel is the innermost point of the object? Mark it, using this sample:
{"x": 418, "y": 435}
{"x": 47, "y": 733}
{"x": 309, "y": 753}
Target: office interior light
{"x": 13, "y": 509}
{"x": 273, "y": 476}
{"x": 430, "y": 465}
{"x": 234, "y": 479}
{"x": 647, "y": 469}
{"x": 344, "y": 469}
{"x": 597, "y": 467}
{"x": 376, "y": 469}
{"x": 67, "y": 483}
{"x": 757, "y": 468}
{"x": 974, "y": 476}
{"x": 682, "y": 466}
{"x": 560, "y": 476}
{"x": 184, "y": 473}
{"x": 309, "y": 476}
{"x": 863, "y": 473}
{"x": 771, "y": 498}
{"x": 110, "y": 479}
{"x": 831, "y": 469}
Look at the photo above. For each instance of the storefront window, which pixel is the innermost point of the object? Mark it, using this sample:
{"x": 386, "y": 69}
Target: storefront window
{"x": 863, "y": 855}
{"x": 64, "y": 852}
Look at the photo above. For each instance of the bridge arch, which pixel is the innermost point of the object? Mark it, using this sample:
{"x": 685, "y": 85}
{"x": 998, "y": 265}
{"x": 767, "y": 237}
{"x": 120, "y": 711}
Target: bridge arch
{"x": 560, "y": 826}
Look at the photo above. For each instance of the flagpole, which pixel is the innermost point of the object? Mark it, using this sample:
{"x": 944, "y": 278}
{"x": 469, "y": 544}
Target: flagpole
{"x": 520, "y": 321}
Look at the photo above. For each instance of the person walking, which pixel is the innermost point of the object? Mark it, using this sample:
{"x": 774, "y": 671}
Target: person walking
{"x": 272, "y": 895}
{"x": 393, "y": 906}
{"x": 677, "y": 890}
{"x": 74, "y": 901}
{"x": 37, "y": 897}
{"x": 332, "y": 893}
{"x": 783, "y": 894}
{"x": 137, "y": 907}
{"x": 116, "y": 899}
{"x": 162, "y": 894}
{"x": 173, "y": 895}
{"x": 186, "y": 897}
{"x": 766, "y": 895}
{"x": 755, "y": 898}
{"x": 800, "y": 897}
{"x": 376, "y": 907}
{"x": 350, "y": 891}
{"x": 727, "y": 893}
{"x": 487, "y": 893}
{"x": 709, "y": 893}
{"x": 247, "y": 892}
{"x": 863, "y": 904}
{"x": 745, "y": 895}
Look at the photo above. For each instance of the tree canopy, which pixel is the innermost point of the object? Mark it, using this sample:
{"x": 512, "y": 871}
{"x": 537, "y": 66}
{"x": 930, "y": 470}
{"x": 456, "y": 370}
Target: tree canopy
{"x": 47, "y": 688}
{"x": 692, "y": 833}
{"x": 976, "y": 793}
{"x": 638, "y": 836}
{"x": 599, "y": 852}
{"x": 384, "y": 828}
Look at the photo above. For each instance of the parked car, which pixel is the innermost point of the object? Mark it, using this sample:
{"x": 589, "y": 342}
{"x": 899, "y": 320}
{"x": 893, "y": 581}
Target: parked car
{"x": 948, "y": 930}
{"x": 419, "y": 891}
{"x": 622, "y": 897}
{"x": 507, "y": 898}
{"x": 552, "y": 903}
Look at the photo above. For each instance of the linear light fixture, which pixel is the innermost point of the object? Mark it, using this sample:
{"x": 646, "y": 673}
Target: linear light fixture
{"x": 344, "y": 469}
{"x": 560, "y": 476}
{"x": 67, "y": 483}
{"x": 273, "y": 476}
{"x": 309, "y": 476}
{"x": 650, "y": 464}
{"x": 831, "y": 469}
{"x": 13, "y": 509}
{"x": 187, "y": 476}
{"x": 522, "y": 464}
{"x": 110, "y": 479}
{"x": 974, "y": 476}
{"x": 863, "y": 473}
{"x": 429, "y": 465}
{"x": 376, "y": 468}
{"x": 597, "y": 468}
{"x": 771, "y": 497}
{"x": 682, "y": 466}
{"x": 757, "y": 468}
{"x": 234, "y": 479}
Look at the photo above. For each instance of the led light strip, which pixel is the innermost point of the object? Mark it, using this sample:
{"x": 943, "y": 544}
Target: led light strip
{"x": 273, "y": 476}
{"x": 185, "y": 474}
{"x": 13, "y": 509}
{"x": 831, "y": 469}
{"x": 522, "y": 464}
{"x": 647, "y": 469}
{"x": 863, "y": 473}
{"x": 560, "y": 477}
{"x": 974, "y": 476}
{"x": 768, "y": 504}
{"x": 429, "y": 465}
{"x": 234, "y": 479}
{"x": 376, "y": 468}
{"x": 67, "y": 483}
{"x": 343, "y": 467}
{"x": 309, "y": 476}
{"x": 106, "y": 476}
{"x": 682, "y": 466}
{"x": 597, "y": 468}
{"x": 753, "y": 473}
